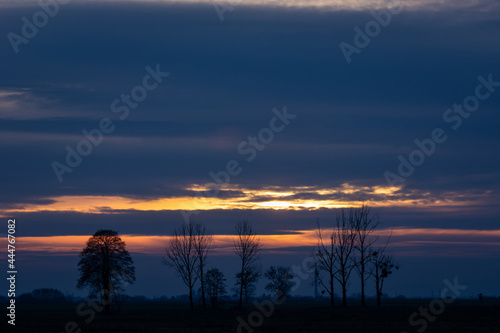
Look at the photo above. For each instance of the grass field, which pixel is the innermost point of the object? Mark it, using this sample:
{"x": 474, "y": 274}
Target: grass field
{"x": 467, "y": 316}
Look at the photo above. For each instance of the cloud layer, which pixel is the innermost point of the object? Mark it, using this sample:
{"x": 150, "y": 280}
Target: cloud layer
{"x": 226, "y": 77}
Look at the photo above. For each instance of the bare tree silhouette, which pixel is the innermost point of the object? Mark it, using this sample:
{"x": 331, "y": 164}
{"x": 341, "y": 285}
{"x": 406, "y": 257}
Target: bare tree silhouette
{"x": 383, "y": 266}
{"x": 182, "y": 257}
{"x": 203, "y": 245}
{"x": 324, "y": 258}
{"x": 247, "y": 247}
{"x": 344, "y": 236}
{"x": 364, "y": 223}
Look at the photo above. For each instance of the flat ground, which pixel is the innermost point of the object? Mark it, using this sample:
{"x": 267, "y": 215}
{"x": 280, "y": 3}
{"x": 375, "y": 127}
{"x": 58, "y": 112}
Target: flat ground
{"x": 461, "y": 316}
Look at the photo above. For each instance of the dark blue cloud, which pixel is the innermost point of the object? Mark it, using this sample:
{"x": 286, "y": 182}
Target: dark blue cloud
{"x": 225, "y": 78}
{"x": 354, "y": 120}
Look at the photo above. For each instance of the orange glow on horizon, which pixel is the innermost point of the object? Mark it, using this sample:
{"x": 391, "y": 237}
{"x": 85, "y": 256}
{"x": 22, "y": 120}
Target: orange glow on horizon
{"x": 154, "y": 245}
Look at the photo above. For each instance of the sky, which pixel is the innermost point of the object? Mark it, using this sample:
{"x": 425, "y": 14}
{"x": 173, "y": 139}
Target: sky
{"x": 124, "y": 115}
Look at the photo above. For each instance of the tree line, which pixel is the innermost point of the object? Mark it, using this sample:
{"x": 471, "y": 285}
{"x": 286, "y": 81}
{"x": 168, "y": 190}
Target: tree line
{"x": 349, "y": 245}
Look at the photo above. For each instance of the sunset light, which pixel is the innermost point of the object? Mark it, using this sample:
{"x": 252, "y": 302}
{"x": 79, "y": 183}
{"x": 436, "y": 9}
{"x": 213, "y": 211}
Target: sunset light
{"x": 244, "y": 166}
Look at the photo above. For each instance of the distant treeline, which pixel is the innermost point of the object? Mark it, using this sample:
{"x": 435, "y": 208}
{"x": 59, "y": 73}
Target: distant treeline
{"x": 45, "y": 295}
{"x": 29, "y": 298}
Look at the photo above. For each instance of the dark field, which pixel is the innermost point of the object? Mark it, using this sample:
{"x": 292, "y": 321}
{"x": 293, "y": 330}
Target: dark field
{"x": 467, "y": 316}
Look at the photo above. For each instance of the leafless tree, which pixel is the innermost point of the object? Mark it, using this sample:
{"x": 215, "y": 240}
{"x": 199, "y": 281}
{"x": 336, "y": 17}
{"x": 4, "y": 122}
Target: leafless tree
{"x": 247, "y": 247}
{"x": 364, "y": 223}
{"x": 383, "y": 266}
{"x": 180, "y": 255}
{"x": 202, "y": 245}
{"x": 324, "y": 257}
{"x": 344, "y": 236}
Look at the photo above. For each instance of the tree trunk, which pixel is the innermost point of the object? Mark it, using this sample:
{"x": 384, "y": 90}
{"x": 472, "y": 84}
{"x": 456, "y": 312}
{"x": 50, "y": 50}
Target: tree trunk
{"x": 332, "y": 295}
{"x": 202, "y": 287}
{"x": 344, "y": 288}
{"x": 106, "y": 284}
{"x": 246, "y": 292}
{"x": 240, "y": 304}
{"x": 363, "y": 285}
{"x": 107, "y": 299}
{"x": 377, "y": 285}
{"x": 191, "y": 304}
{"x": 116, "y": 300}
{"x": 344, "y": 295}
{"x": 363, "y": 304}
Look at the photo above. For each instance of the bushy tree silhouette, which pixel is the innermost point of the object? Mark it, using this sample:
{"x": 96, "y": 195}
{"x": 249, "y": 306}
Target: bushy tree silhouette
{"x": 105, "y": 266}
{"x": 280, "y": 280}
{"x": 215, "y": 284}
